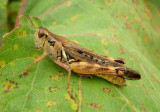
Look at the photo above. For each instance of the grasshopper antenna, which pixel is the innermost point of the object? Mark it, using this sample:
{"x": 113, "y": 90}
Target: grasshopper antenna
{"x": 31, "y": 22}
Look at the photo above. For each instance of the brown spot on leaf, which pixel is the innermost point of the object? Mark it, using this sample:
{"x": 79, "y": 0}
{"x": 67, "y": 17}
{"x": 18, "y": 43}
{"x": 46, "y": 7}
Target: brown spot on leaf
{"x": 9, "y": 85}
{"x": 54, "y": 77}
{"x": 51, "y": 103}
{"x": 106, "y": 90}
{"x": 61, "y": 74}
{"x": 113, "y": 35}
{"x": 52, "y": 89}
{"x": 144, "y": 108}
{"x": 94, "y": 105}
{"x": 108, "y": 2}
{"x": 25, "y": 74}
{"x": 35, "y": 56}
{"x": 70, "y": 98}
{"x": 19, "y": 33}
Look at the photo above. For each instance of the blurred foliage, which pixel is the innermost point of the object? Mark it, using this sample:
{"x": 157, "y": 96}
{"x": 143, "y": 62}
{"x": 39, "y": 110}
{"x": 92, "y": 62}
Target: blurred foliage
{"x": 12, "y": 11}
{"x": 3, "y": 20}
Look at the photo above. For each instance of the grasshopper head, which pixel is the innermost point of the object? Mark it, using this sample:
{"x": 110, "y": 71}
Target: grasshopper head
{"x": 41, "y": 35}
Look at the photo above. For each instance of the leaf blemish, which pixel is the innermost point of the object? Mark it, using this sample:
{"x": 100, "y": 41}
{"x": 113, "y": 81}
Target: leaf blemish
{"x": 61, "y": 74}
{"x": 73, "y": 102}
{"x": 23, "y": 74}
{"x": 35, "y": 56}
{"x": 54, "y": 77}
{"x": 108, "y": 2}
{"x": 20, "y": 32}
{"x": 2, "y": 64}
{"x": 54, "y": 23}
{"x": 9, "y": 85}
{"x": 52, "y": 89}
{"x": 51, "y": 103}
{"x": 106, "y": 90}
{"x": 74, "y": 18}
{"x": 24, "y": 33}
{"x": 94, "y": 105}
{"x": 68, "y": 3}
{"x": 15, "y": 47}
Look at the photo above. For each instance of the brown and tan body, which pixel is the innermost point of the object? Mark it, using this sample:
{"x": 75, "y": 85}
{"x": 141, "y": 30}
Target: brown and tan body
{"x": 72, "y": 56}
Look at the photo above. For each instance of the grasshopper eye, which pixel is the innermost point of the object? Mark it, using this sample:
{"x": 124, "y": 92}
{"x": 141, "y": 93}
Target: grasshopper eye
{"x": 41, "y": 34}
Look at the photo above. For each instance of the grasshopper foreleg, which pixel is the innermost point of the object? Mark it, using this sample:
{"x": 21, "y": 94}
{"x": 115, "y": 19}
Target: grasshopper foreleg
{"x": 36, "y": 61}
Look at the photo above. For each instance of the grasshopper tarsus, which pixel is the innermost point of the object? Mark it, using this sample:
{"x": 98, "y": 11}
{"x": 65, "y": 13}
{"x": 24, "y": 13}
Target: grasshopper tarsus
{"x": 25, "y": 74}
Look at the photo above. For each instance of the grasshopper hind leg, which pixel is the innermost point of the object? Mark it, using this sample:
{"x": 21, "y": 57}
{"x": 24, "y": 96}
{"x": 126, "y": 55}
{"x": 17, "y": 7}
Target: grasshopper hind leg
{"x": 118, "y": 80}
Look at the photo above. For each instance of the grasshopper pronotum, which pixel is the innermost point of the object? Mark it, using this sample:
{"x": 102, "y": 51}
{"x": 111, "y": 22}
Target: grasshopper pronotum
{"x": 72, "y": 56}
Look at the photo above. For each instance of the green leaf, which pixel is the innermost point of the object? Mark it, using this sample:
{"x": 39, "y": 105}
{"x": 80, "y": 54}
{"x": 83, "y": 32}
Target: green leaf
{"x": 124, "y": 29}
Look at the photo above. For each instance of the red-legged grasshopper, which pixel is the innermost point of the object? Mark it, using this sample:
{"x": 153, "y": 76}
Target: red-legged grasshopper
{"x": 72, "y": 56}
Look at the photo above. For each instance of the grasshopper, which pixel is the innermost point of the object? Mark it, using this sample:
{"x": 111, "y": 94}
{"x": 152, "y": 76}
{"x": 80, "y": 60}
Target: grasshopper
{"x": 82, "y": 61}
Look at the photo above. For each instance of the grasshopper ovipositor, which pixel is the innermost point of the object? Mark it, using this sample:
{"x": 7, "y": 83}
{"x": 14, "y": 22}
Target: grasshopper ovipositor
{"x": 72, "y": 56}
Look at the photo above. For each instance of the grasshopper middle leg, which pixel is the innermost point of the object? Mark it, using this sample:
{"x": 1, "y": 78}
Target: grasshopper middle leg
{"x": 67, "y": 67}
